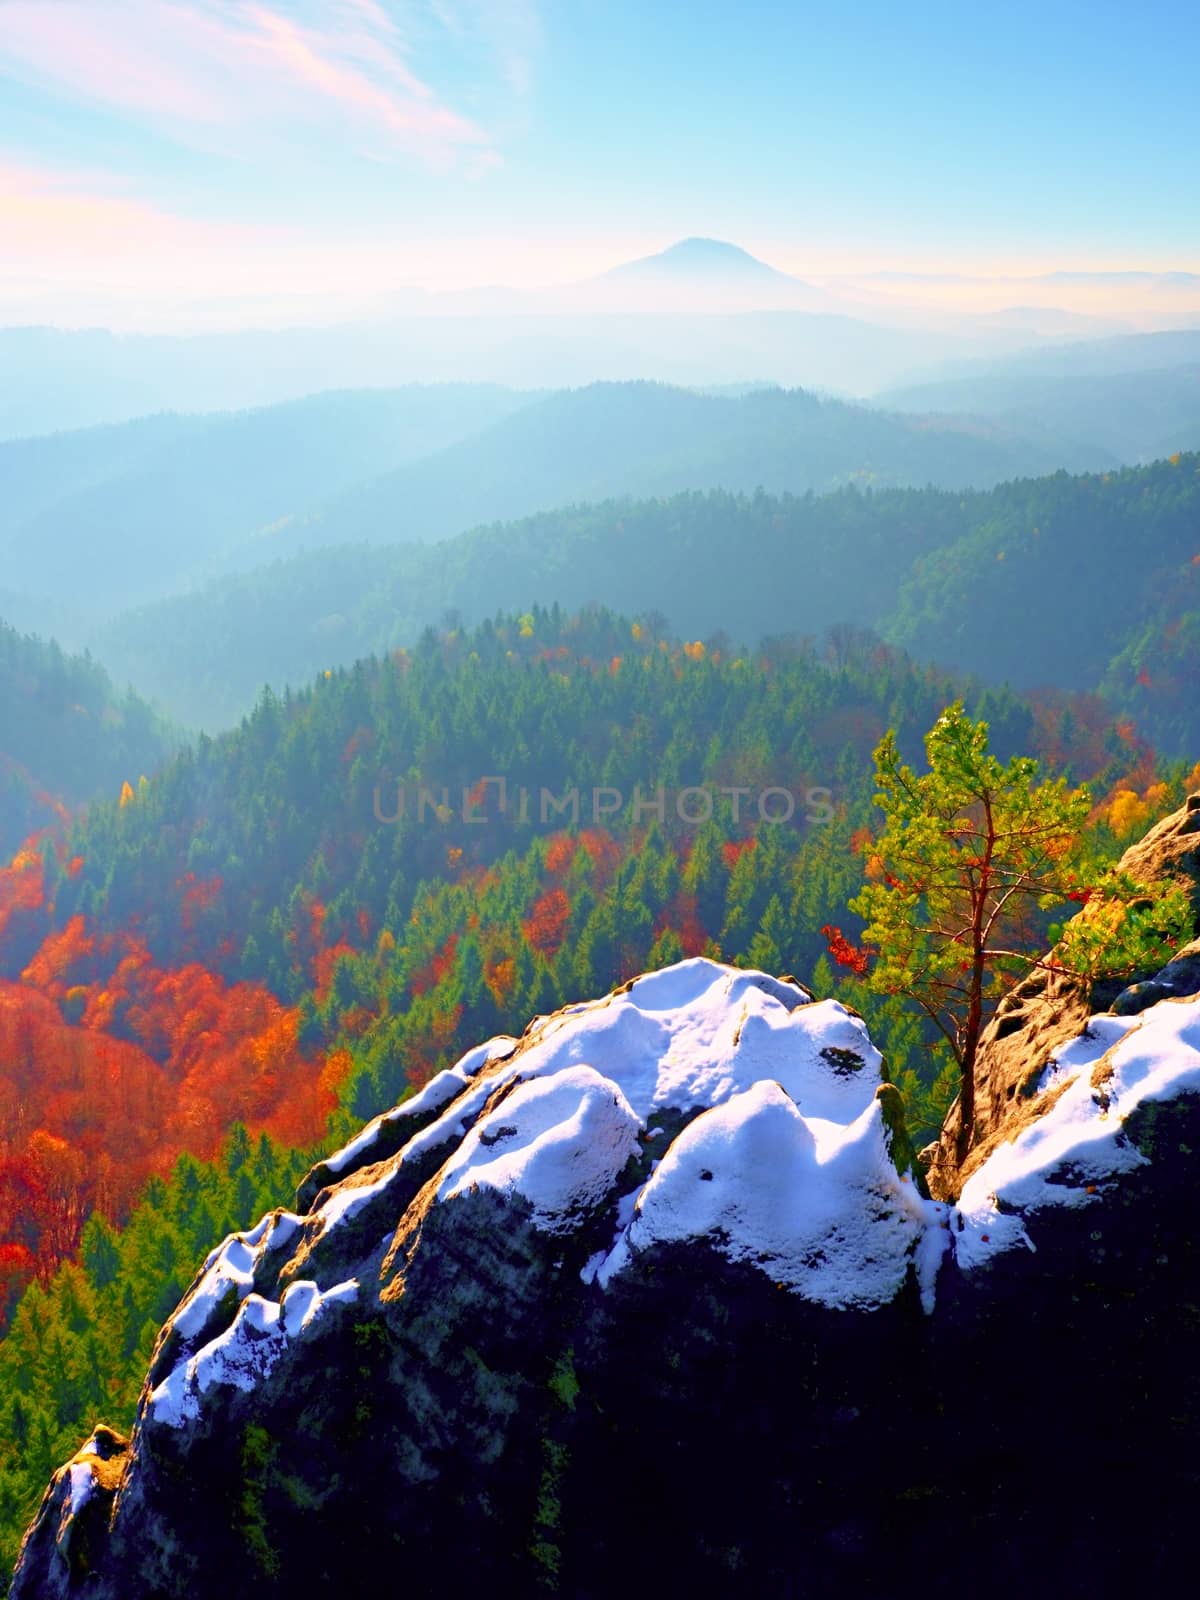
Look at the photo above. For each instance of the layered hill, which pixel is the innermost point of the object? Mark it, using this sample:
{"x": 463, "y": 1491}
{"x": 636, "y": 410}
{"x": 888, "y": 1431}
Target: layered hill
{"x": 954, "y": 577}
{"x": 1137, "y": 416}
{"x": 1102, "y": 358}
{"x": 94, "y": 519}
{"x": 1123, "y": 546}
{"x": 669, "y": 1248}
{"x": 648, "y": 439}
{"x": 112, "y": 517}
{"x": 66, "y": 736}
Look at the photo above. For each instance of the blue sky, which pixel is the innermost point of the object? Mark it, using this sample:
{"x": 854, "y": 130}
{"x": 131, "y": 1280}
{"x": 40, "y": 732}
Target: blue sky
{"x": 232, "y": 145}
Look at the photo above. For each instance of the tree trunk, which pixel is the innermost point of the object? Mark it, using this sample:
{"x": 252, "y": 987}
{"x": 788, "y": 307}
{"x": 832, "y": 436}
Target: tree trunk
{"x": 966, "y": 1101}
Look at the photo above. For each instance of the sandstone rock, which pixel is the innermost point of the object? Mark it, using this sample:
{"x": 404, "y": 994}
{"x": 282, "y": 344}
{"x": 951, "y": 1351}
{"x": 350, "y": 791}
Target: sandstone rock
{"x": 71, "y": 1530}
{"x": 653, "y": 1297}
{"x": 1048, "y": 1009}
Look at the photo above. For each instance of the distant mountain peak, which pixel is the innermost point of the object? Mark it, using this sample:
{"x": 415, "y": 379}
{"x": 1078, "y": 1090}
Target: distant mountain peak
{"x": 699, "y": 257}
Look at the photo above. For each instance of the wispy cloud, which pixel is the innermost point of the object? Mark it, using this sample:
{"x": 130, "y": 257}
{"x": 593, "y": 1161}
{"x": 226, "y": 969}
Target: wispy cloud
{"x": 76, "y": 248}
{"x": 83, "y": 214}
{"x": 79, "y": 247}
{"x": 213, "y": 67}
{"x": 400, "y": 103}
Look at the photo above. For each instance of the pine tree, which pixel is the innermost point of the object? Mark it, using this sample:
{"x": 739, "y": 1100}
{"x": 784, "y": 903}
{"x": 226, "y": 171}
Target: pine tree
{"x": 970, "y": 853}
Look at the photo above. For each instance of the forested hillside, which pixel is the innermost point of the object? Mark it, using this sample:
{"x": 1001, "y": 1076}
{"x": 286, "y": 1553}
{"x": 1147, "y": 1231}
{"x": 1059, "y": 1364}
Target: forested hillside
{"x": 1124, "y": 546}
{"x": 955, "y": 578}
{"x": 645, "y": 439}
{"x": 339, "y": 867}
{"x": 1137, "y": 416}
{"x": 65, "y": 735}
{"x": 804, "y": 563}
{"x": 106, "y": 518}
{"x": 292, "y": 925}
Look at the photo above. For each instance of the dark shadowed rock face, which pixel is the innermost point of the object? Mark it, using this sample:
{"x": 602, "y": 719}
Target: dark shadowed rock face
{"x": 652, "y": 1297}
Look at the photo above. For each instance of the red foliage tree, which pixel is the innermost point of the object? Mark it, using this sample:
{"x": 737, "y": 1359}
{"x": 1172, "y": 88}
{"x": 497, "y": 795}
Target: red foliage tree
{"x": 547, "y": 922}
{"x": 734, "y": 849}
{"x": 844, "y": 953}
{"x": 154, "y": 1061}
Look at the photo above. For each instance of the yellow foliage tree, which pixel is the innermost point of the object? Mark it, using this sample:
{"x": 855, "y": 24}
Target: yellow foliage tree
{"x": 1127, "y": 813}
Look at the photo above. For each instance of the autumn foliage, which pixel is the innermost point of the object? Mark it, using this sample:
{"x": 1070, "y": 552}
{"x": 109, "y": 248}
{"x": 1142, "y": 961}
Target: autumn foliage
{"x": 844, "y": 953}
{"x": 111, "y": 1065}
{"x": 22, "y": 903}
{"x": 547, "y": 922}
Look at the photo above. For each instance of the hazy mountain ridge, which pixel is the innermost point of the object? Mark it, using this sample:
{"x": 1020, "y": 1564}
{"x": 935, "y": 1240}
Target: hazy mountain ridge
{"x": 146, "y": 508}
{"x": 1138, "y": 416}
{"x": 69, "y": 380}
{"x": 1110, "y": 357}
{"x": 916, "y": 565}
{"x": 701, "y": 312}
{"x": 648, "y": 439}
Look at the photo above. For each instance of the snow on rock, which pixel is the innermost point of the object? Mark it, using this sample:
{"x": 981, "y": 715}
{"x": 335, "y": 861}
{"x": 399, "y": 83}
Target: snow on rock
{"x": 83, "y": 1484}
{"x": 690, "y": 1036}
{"x": 214, "y": 1346}
{"x": 1069, "y": 1155}
{"x": 699, "y": 1104}
{"x": 560, "y": 1141}
{"x": 816, "y": 1205}
{"x": 246, "y": 1351}
{"x": 1095, "y": 1041}
{"x": 242, "y": 1250}
{"x": 438, "y": 1092}
{"x": 230, "y": 1269}
{"x": 344, "y": 1202}
{"x": 688, "y": 1039}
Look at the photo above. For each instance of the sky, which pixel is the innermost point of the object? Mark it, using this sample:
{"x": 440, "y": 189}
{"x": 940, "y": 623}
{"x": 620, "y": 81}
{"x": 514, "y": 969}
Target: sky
{"x": 268, "y": 157}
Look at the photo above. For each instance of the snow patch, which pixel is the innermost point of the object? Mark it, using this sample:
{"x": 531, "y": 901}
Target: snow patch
{"x": 692, "y": 1035}
{"x": 438, "y": 1092}
{"x": 686, "y": 1038}
{"x": 245, "y": 1353}
{"x": 561, "y": 1142}
{"x": 231, "y": 1267}
{"x": 453, "y": 1123}
{"x": 689, "y": 1038}
{"x": 1097, "y": 1038}
{"x": 1067, "y": 1156}
{"x": 270, "y": 1232}
{"x": 303, "y": 1303}
{"x": 83, "y": 1485}
{"x": 820, "y": 1209}
{"x": 345, "y": 1202}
